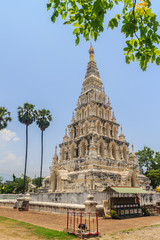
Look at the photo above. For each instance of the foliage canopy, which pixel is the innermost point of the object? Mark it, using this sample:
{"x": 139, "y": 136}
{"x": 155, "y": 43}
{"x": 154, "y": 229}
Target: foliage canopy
{"x": 43, "y": 119}
{"x": 138, "y": 23}
{"x": 26, "y": 114}
{"x": 5, "y": 117}
{"x": 150, "y": 164}
{"x": 36, "y": 181}
{"x": 15, "y": 186}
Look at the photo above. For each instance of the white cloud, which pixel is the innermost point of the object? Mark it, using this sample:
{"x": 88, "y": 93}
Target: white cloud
{"x": 9, "y": 160}
{"x": 7, "y": 136}
{"x": 10, "y": 156}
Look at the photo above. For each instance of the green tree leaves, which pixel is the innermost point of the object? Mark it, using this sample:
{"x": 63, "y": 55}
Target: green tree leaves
{"x": 113, "y": 23}
{"x": 26, "y": 114}
{"x": 154, "y": 175}
{"x": 149, "y": 162}
{"x": 139, "y": 24}
{"x": 158, "y": 60}
{"x": 5, "y": 117}
{"x": 43, "y": 119}
{"x": 36, "y": 181}
{"x": 15, "y": 186}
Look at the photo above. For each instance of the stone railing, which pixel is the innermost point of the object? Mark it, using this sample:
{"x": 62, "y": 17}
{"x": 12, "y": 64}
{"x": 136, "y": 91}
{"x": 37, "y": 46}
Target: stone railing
{"x": 50, "y": 206}
{"x": 9, "y": 196}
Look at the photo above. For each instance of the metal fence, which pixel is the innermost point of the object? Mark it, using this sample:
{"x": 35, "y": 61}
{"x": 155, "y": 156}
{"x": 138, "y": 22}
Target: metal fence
{"x": 82, "y": 223}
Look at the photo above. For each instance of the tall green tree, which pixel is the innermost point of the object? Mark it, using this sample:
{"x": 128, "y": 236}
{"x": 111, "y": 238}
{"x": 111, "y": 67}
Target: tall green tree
{"x": 1, "y": 179}
{"x": 138, "y": 23}
{"x": 43, "y": 119}
{"x": 26, "y": 115}
{"x": 146, "y": 159}
{"x": 5, "y": 117}
{"x": 149, "y": 162}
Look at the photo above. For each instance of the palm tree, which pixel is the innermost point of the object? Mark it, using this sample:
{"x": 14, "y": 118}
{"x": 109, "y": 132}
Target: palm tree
{"x": 43, "y": 120}
{"x": 4, "y": 117}
{"x": 26, "y": 115}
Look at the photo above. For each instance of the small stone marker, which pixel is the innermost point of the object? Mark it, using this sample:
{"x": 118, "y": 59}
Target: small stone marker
{"x": 90, "y": 204}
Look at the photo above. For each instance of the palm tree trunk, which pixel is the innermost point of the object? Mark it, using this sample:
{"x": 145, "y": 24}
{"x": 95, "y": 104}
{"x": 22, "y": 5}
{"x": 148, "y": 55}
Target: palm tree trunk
{"x": 25, "y": 168}
{"x": 41, "y": 157}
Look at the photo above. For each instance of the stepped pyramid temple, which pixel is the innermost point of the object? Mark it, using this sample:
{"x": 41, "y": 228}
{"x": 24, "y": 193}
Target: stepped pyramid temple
{"x": 93, "y": 155}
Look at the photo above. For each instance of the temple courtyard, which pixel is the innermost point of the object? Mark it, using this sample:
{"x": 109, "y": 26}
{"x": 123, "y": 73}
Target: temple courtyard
{"x": 147, "y": 228}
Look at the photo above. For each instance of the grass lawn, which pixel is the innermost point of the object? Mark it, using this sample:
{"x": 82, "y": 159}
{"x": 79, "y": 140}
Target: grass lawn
{"x": 17, "y": 229}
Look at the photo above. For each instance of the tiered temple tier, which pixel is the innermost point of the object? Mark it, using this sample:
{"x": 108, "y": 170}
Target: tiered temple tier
{"x": 92, "y": 119}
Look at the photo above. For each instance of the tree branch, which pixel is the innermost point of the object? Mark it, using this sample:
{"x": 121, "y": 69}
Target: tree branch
{"x": 134, "y": 20}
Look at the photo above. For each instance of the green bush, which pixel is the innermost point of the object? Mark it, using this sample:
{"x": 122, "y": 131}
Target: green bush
{"x": 146, "y": 211}
{"x": 15, "y": 186}
{"x": 114, "y": 214}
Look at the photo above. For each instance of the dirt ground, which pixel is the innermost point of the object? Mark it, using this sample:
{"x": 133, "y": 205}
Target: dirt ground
{"x": 147, "y": 228}
{"x": 147, "y": 233}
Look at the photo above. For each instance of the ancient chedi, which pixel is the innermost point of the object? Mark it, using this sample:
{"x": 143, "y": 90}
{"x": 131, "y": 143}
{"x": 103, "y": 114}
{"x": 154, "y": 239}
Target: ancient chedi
{"x": 93, "y": 156}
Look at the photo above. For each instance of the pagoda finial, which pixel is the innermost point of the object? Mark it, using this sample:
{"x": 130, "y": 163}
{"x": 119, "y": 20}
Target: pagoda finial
{"x": 56, "y": 149}
{"x": 78, "y": 103}
{"x": 122, "y": 131}
{"x": 133, "y": 153}
{"x": 91, "y": 52}
{"x": 73, "y": 119}
{"x": 55, "y": 153}
{"x": 55, "y": 157}
{"x": 108, "y": 102}
{"x": 66, "y": 131}
{"x": 113, "y": 117}
{"x": 65, "y": 138}
{"x": 122, "y": 137}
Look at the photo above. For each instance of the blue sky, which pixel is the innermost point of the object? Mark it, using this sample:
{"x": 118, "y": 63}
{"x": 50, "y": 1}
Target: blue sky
{"x": 40, "y": 64}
